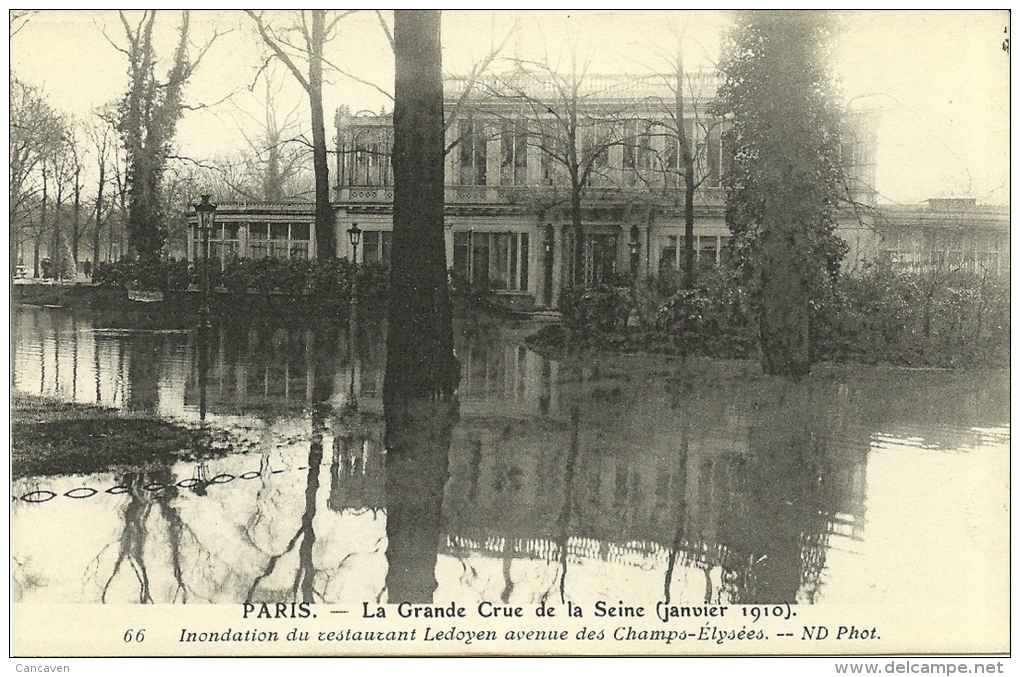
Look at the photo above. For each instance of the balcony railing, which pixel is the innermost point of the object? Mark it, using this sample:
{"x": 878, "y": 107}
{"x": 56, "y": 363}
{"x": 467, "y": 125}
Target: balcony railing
{"x": 523, "y": 195}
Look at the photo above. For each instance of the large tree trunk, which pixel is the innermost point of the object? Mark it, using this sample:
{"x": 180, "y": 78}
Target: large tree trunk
{"x": 420, "y": 360}
{"x": 36, "y": 245}
{"x": 325, "y": 238}
{"x": 421, "y": 371}
{"x": 784, "y": 315}
{"x": 57, "y": 245}
{"x": 146, "y": 231}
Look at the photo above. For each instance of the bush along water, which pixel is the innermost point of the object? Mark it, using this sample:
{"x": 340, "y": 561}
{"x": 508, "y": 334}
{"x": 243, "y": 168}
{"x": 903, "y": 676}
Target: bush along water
{"x": 878, "y": 315}
{"x": 325, "y": 283}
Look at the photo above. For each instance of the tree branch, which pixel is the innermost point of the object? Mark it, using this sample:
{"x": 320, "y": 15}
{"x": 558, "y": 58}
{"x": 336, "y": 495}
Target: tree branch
{"x": 277, "y": 50}
{"x": 385, "y": 27}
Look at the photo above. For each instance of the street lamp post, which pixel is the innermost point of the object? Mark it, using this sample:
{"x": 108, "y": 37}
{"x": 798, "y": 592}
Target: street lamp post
{"x": 206, "y": 215}
{"x": 354, "y": 233}
{"x": 206, "y": 212}
{"x": 634, "y": 256}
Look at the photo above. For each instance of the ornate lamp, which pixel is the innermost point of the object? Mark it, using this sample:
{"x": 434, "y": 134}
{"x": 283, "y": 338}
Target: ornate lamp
{"x": 206, "y": 211}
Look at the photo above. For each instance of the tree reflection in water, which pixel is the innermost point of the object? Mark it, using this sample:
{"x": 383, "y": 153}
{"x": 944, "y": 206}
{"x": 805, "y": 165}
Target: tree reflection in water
{"x": 563, "y": 525}
{"x": 680, "y": 510}
{"x": 304, "y": 538}
{"x": 147, "y": 489}
{"x": 322, "y": 373}
{"x": 680, "y": 481}
{"x": 787, "y": 491}
{"x": 418, "y": 437}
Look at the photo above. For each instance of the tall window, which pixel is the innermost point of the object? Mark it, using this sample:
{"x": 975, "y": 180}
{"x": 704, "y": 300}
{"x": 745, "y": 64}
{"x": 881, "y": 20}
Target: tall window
{"x": 472, "y": 153}
{"x": 667, "y": 256}
{"x": 717, "y": 158}
{"x": 644, "y": 148}
{"x": 637, "y": 151}
{"x": 223, "y": 242}
{"x": 369, "y": 159}
{"x": 278, "y": 240}
{"x": 672, "y": 158}
{"x": 552, "y": 170}
{"x": 629, "y": 143}
{"x": 713, "y": 156}
{"x": 492, "y": 260}
{"x": 297, "y": 243}
{"x": 375, "y": 247}
{"x": 595, "y": 143}
{"x": 711, "y": 249}
{"x": 599, "y": 258}
{"x": 513, "y": 153}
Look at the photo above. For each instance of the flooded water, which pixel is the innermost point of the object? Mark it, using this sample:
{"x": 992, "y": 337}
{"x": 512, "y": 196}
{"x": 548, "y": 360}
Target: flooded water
{"x": 612, "y": 478}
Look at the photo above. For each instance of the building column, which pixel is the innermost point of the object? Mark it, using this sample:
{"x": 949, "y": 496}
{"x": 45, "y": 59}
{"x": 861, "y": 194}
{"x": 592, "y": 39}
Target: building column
{"x": 343, "y": 240}
{"x": 648, "y": 248}
{"x": 546, "y": 246}
{"x": 448, "y": 243}
{"x": 493, "y": 159}
{"x": 242, "y": 241}
{"x": 534, "y": 165}
{"x": 559, "y": 263}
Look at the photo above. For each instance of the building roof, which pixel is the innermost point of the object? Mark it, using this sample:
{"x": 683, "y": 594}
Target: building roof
{"x": 263, "y": 208}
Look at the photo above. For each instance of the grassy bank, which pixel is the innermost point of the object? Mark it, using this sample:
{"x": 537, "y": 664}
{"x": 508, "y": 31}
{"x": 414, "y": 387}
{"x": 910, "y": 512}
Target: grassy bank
{"x": 49, "y": 437}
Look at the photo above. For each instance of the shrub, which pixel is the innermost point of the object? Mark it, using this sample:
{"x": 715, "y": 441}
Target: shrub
{"x": 172, "y": 275}
{"x": 935, "y": 318}
{"x": 712, "y": 319}
{"x": 595, "y": 315}
{"x": 879, "y": 314}
{"x": 327, "y": 281}
{"x": 373, "y": 282}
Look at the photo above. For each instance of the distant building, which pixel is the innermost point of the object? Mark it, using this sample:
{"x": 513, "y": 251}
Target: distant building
{"x": 945, "y": 235}
{"x": 508, "y": 226}
{"x": 508, "y": 188}
{"x": 257, "y": 230}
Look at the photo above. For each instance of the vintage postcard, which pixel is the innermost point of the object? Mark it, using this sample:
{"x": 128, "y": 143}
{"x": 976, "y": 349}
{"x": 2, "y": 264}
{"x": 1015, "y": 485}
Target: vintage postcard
{"x": 510, "y": 333}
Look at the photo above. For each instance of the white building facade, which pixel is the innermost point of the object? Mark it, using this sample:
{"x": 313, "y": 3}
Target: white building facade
{"x": 516, "y": 150}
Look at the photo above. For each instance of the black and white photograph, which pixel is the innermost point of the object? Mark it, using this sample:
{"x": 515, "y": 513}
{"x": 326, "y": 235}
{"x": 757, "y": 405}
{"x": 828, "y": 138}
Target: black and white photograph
{"x": 511, "y": 333}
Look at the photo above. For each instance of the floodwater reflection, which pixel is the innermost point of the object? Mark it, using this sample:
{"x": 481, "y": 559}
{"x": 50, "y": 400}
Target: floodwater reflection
{"x": 418, "y": 437}
{"x": 634, "y": 478}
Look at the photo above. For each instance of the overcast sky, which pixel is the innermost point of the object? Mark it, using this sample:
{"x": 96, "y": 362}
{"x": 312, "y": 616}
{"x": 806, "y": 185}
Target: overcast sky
{"x": 940, "y": 79}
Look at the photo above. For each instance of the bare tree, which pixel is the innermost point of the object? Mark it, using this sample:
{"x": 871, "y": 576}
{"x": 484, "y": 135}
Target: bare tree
{"x": 274, "y": 165}
{"x": 688, "y": 159}
{"x": 575, "y": 119}
{"x": 35, "y": 133}
{"x": 100, "y": 136}
{"x": 76, "y": 153}
{"x": 118, "y": 233}
{"x": 299, "y": 46}
{"x": 62, "y": 170}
